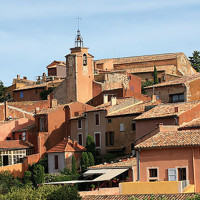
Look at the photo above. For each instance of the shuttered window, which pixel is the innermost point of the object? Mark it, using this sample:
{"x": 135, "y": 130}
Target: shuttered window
{"x": 56, "y": 161}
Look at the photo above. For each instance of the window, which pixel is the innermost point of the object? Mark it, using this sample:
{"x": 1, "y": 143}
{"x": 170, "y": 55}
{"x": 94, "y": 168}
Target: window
{"x": 121, "y": 127}
{"x": 153, "y": 174}
{"x": 182, "y": 174}
{"x": 133, "y": 126}
{"x": 8, "y": 138}
{"x": 21, "y": 95}
{"x": 84, "y": 59}
{"x": 56, "y": 161}
{"x": 80, "y": 138}
{"x": 132, "y": 88}
{"x": 109, "y": 120}
{"x": 110, "y": 138}
{"x": 97, "y": 119}
{"x": 79, "y": 124}
{"x": 173, "y": 98}
{"x": 36, "y": 91}
{"x": 41, "y": 124}
{"x": 159, "y": 80}
{"x": 97, "y": 137}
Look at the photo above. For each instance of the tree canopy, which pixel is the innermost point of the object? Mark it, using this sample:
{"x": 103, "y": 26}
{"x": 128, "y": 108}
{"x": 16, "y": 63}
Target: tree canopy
{"x": 2, "y": 91}
{"x": 195, "y": 60}
{"x": 90, "y": 145}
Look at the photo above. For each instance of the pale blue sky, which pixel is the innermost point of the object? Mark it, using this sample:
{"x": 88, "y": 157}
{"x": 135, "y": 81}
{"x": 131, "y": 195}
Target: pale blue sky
{"x": 33, "y": 33}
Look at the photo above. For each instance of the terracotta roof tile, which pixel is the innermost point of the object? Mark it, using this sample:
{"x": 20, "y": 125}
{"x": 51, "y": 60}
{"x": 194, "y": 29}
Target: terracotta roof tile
{"x": 15, "y": 144}
{"x": 195, "y": 123}
{"x": 166, "y": 110}
{"x": 25, "y": 128}
{"x": 123, "y": 163}
{"x": 66, "y": 145}
{"x": 180, "y": 196}
{"x": 49, "y": 110}
{"x": 134, "y": 109}
{"x": 144, "y": 58}
{"x": 184, "y": 80}
{"x": 172, "y": 139}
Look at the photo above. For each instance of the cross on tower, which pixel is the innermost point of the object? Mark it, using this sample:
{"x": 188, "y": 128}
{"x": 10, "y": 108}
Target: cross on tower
{"x": 78, "y": 18}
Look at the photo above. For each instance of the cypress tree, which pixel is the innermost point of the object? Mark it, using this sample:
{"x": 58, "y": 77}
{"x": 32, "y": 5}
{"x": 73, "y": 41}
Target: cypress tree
{"x": 195, "y": 60}
{"x": 73, "y": 170}
{"x": 84, "y": 161}
{"x": 91, "y": 159}
{"x": 155, "y": 76}
{"x": 90, "y": 145}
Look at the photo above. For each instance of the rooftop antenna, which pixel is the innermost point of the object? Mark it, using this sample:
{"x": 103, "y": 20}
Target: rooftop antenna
{"x": 78, "y": 19}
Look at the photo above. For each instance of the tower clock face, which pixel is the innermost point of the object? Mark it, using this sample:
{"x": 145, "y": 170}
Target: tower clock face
{"x": 70, "y": 61}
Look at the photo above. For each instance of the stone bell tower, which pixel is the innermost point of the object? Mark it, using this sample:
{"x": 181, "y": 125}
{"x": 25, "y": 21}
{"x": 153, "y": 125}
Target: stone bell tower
{"x": 79, "y": 74}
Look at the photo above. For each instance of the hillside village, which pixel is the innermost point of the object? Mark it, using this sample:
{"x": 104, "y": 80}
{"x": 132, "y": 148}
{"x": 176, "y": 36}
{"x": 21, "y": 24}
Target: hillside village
{"x": 146, "y": 136}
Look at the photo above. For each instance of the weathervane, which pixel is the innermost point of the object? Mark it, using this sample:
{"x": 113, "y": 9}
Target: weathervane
{"x": 78, "y": 39}
{"x": 78, "y": 18}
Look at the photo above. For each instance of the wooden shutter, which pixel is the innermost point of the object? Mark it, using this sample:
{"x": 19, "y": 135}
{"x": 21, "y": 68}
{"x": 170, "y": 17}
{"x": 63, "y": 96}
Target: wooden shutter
{"x": 97, "y": 139}
{"x": 172, "y": 174}
{"x": 56, "y": 161}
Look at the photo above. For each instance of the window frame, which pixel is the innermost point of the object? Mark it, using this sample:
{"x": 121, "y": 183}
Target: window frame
{"x": 95, "y": 119}
{"x": 149, "y": 178}
{"x": 56, "y": 165}
{"x": 179, "y": 97}
{"x": 79, "y": 120}
{"x": 120, "y": 127}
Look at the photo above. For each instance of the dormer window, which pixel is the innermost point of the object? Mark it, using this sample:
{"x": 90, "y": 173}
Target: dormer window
{"x": 84, "y": 59}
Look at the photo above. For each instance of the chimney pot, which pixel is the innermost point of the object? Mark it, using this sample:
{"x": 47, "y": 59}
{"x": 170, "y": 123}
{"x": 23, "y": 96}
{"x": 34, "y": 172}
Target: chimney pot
{"x": 113, "y": 101}
{"x": 18, "y": 77}
{"x": 153, "y": 98}
{"x": 105, "y": 98}
{"x": 37, "y": 109}
{"x": 175, "y": 109}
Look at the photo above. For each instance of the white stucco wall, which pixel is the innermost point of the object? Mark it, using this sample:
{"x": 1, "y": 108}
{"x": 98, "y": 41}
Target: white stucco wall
{"x": 51, "y": 162}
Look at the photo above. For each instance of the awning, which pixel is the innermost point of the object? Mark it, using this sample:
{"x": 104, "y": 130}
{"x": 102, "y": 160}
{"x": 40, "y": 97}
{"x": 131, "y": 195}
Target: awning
{"x": 96, "y": 171}
{"x": 110, "y": 175}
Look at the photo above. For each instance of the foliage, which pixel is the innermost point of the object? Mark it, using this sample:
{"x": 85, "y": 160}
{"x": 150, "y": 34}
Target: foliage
{"x": 1, "y": 162}
{"x": 65, "y": 171}
{"x": 59, "y": 177}
{"x": 145, "y": 84}
{"x": 2, "y": 91}
{"x": 73, "y": 170}
{"x": 91, "y": 159}
{"x": 38, "y": 174}
{"x": 43, "y": 193}
{"x": 155, "y": 76}
{"x": 195, "y": 60}
{"x": 90, "y": 145}
{"x": 45, "y": 93}
{"x": 84, "y": 161}
{"x": 27, "y": 178}
{"x": 44, "y": 162}
{"x": 7, "y": 182}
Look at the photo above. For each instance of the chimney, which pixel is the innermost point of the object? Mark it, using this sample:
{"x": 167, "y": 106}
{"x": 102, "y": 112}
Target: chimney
{"x": 105, "y": 98}
{"x": 75, "y": 144}
{"x": 18, "y": 77}
{"x": 25, "y": 78}
{"x": 53, "y": 103}
{"x": 37, "y": 109}
{"x": 175, "y": 109}
{"x": 44, "y": 74}
{"x": 153, "y": 98}
{"x": 113, "y": 101}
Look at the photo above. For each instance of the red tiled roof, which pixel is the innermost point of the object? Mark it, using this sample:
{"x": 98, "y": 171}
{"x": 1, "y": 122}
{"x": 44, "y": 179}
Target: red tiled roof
{"x": 15, "y": 144}
{"x": 49, "y": 110}
{"x": 180, "y": 196}
{"x": 166, "y": 110}
{"x": 123, "y": 163}
{"x": 25, "y": 128}
{"x": 144, "y": 58}
{"x": 172, "y": 139}
{"x": 134, "y": 109}
{"x": 195, "y": 123}
{"x": 67, "y": 145}
{"x": 184, "y": 80}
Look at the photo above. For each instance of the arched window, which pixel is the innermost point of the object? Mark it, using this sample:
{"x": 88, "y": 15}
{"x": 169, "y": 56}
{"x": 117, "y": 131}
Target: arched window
{"x": 84, "y": 59}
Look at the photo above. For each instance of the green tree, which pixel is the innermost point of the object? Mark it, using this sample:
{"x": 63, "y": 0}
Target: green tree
{"x": 27, "y": 178}
{"x": 73, "y": 170}
{"x": 195, "y": 60}
{"x": 91, "y": 159}
{"x": 45, "y": 93}
{"x": 155, "y": 76}
{"x": 38, "y": 174}
{"x": 145, "y": 84}
{"x": 2, "y": 92}
{"x": 90, "y": 145}
{"x": 44, "y": 163}
{"x": 84, "y": 161}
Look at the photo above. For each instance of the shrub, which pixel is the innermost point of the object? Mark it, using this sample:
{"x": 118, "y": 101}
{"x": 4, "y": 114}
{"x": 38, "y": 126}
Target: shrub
{"x": 84, "y": 161}
{"x": 59, "y": 177}
{"x": 65, "y": 171}
{"x": 90, "y": 145}
{"x": 91, "y": 159}
{"x": 38, "y": 174}
{"x": 44, "y": 162}
{"x": 27, "y": 178}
